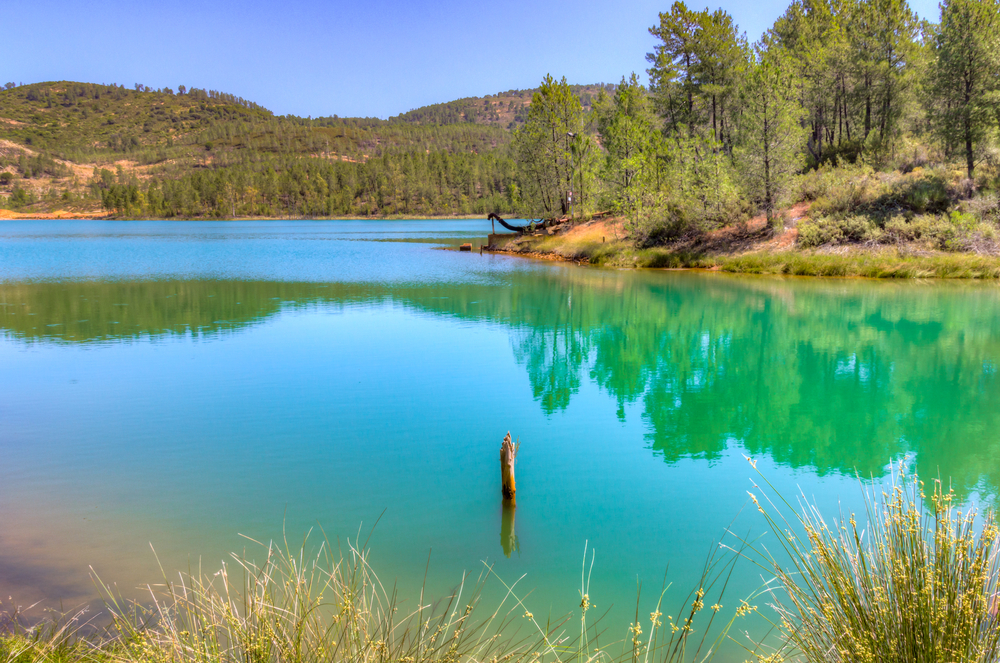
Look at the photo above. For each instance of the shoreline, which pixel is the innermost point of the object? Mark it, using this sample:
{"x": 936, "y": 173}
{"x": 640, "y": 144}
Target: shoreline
{"x": 749, "y": 250}
{"x": 64, "y": 215}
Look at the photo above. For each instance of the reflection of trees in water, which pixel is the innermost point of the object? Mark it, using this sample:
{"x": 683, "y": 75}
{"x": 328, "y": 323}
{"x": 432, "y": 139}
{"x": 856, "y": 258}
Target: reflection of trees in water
{"x": 554, "y": 360}
{"x": 839, "y": 377}
{"x": 830, "y": 375}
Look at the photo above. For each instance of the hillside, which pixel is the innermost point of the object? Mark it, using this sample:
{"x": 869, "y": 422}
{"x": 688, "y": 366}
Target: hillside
{"x": 81, "y": 146}
{"x": 505, "y": 109}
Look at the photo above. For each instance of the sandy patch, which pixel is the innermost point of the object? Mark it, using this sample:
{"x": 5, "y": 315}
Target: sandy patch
{"x": 7, "y": 215}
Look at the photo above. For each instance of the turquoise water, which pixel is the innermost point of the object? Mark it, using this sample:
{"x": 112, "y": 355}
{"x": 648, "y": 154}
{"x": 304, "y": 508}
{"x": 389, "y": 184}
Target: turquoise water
{"x": 177, "y": 385}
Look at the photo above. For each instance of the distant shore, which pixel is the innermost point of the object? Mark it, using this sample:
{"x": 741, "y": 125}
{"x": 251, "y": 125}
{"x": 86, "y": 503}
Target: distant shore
{"x": 10, "y": 215}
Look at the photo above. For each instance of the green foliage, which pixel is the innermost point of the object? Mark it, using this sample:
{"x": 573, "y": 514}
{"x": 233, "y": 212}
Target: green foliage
{"x": 626, "y": 127}
{"x": 543, "y": 148}
{"x": 945, "y": 232}
{"x": 695, "y": 70}
{"x": 859, "y": 190}
{"x": 964, "y": 75}
{"x": 768, "y": 152}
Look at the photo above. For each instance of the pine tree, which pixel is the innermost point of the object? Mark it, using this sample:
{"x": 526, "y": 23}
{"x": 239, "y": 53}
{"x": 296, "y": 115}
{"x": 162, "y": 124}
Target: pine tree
{"x": 543, "y": 148}
{"x": 964, "y": 74}
{"x": 770, "y": 130}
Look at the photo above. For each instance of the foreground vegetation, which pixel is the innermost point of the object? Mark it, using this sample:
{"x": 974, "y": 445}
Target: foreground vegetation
{"x": 918, "y": 580}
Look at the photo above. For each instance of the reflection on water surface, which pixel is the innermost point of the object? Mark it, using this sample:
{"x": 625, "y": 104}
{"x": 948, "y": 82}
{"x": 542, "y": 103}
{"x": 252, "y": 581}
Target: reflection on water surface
{"x": 353, "y": 378}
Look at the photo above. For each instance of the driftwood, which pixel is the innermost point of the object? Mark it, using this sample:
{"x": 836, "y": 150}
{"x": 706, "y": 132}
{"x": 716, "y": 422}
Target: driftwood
{"x": 508, "y": 454}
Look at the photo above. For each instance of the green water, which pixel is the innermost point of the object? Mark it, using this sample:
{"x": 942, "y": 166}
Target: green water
{"x": 178, "y": 385}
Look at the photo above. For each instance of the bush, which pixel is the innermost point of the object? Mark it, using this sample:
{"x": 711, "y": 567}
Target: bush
{"x": 829, "y": 230}
{"x": 928, "y": 194}
{"x": 828, "y": 180}
{"x": 919, "y": 582}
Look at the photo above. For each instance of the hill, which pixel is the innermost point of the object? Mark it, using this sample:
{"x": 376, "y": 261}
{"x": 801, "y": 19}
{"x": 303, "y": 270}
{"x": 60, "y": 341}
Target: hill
{"x": 505, "y": 109}
{"x": 82, "y": 146}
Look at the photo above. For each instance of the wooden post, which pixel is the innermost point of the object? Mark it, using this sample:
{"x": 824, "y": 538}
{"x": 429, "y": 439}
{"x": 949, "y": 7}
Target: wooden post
{"x": 508, "y": 454}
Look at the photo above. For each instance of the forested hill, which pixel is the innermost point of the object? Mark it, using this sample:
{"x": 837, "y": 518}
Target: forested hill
{"x": 203, "y": 153}
{"x": 505, "y": 109}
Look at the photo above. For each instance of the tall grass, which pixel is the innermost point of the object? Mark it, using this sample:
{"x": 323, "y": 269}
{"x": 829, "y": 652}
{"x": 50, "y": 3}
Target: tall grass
{"x": 914, "y": 578}
{"x": 56, "y": 639}
{"x": 299, "y": 608}
{"x": 330, "y": 606}
{"x": 918, "y": 582}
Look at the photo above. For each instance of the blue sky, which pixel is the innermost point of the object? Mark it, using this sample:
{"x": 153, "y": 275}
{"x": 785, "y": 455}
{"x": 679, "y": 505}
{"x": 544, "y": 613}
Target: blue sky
{"x": 374, "y": 58}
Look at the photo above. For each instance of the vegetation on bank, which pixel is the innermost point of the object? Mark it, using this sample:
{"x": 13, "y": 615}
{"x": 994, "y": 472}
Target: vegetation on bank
{"x": 916, "y": 580}
{"x": 885, "y": 262}
{"x": 913, "y": 578}
{"x": 853, "y": 108}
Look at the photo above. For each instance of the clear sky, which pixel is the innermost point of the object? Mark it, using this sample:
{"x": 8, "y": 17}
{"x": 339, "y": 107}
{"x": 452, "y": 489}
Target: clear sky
{"x": 351, "y": 58}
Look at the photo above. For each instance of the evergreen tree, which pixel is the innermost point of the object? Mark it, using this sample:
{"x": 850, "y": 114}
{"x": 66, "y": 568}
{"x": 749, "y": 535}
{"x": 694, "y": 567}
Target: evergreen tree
{"x": 543, "y": 149}
{"x": 964, "y": 74}
{"x": 695, "y": 69}
{"x": 770, "y": 131}
{"x": 628, "y": 134}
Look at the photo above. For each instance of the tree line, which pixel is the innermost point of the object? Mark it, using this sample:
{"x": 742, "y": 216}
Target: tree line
{"x": 724, "y": 125}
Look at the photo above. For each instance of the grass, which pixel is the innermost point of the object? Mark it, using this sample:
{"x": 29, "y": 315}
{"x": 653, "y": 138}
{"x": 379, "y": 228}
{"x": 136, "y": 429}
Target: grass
{"x": 864, "y": 262}
{"x": 300, "y": 607}
{"x": 918, "y": 579}
{"x": 868, "y": 264}
{"x": 920, "y": 582}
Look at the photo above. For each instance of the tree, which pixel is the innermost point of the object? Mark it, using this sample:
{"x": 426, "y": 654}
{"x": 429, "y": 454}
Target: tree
{"x": 695, "y": 68}
{"x": 628, "y": 134}
{"x": 671, "y": 77}
{"x": 770, "y": 131}
{"x": 543, "y": 149}
{"x": 964, "y": 74}
{"x": 882, "y": 36}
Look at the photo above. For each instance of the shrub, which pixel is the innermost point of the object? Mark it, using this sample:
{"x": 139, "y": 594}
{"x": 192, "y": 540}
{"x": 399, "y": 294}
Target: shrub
{"x": 827, "y": 230}
{"x": 926, "y": 194}
{"x": 919, "y": 582}
{"x": 831, "y": 183}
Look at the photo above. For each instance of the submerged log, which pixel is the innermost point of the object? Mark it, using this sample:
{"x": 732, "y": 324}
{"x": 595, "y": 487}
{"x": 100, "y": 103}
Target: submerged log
{"x": 508, "y": 454}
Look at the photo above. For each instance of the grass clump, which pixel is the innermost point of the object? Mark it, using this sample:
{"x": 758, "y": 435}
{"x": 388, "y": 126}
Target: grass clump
{"x": 295, "y": 608}
{"x": 919, "y": 582}
{"x": 328, "y": 607}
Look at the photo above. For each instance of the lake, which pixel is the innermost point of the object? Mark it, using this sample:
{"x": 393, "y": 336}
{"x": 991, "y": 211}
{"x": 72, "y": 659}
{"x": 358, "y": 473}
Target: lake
{"x": 181, "y": 386}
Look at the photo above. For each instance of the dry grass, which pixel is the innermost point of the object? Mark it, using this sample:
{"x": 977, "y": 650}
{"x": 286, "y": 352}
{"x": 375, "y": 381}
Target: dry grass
{"x": 296, "y": 607}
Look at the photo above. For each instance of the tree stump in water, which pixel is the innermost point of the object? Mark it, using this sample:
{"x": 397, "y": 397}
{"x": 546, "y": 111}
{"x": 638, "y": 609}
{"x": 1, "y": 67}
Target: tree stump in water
{"x": 508, "y": 454}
